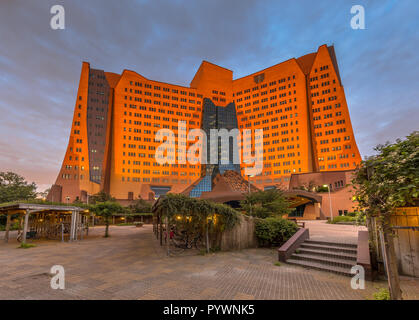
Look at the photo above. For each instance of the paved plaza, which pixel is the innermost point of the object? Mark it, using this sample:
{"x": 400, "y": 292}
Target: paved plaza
{"x": 322, "y": 231}
{"x": 131, "y": 265}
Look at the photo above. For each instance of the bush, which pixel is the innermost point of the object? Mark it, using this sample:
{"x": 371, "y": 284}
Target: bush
{"x": 274, "y": 231}
{"x": 382, "y": 294}
{"x": 358, "y": 219}
{"x": 351, "y": 214}
{"x": 138, "y": 224}
{"x": 13, "y": 226}
{"x": 342, "y": 219}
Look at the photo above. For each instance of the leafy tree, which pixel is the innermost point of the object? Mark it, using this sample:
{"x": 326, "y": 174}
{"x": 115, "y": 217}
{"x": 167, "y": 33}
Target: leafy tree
{"x": 269, "y": 203}
{"x": 140, "y": 206}
{"x": 106, "y": 210}
{"x": 310, "y": 186}
{"x": 389, "y": 179}
{"x": 101, "y": 196}
{"x": 44, "y": 194}
{"x": 13, "y": 187}
{"x": 384, "y": 182}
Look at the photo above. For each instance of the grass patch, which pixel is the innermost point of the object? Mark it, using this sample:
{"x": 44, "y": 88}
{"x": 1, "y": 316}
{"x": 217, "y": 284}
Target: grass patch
{"x": 125, "y": 224}
{"x": 342, "y": 219}
{"x": 26, "y": 245}
{"x": 382, "y": 294}
{"x": 278, "y": 264}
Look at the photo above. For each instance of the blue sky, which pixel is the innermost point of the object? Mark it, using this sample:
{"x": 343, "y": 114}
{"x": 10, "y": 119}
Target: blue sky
{"x": 167, "y": 40}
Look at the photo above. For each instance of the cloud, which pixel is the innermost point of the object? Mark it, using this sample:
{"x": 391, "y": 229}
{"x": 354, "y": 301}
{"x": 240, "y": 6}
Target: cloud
{"x": 167, "y": 40}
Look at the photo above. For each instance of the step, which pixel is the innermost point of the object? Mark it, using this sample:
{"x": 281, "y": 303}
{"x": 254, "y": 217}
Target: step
{"x": 322, "y": 267}
{"x": 328, "y": 248}
{"x": 324, "y": 260}
{"x": 331, "y": 254}
{"x": 335, "y": 244}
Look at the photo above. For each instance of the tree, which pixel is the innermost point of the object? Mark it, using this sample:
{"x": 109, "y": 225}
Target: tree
{"x": 101, "y": 196}
{"x": 310, "y": 186}
{"x": 44, "y": 194}
{"x": 13, "y": 187}
{"x": 140, "y": 206}
{"x": 106, "y": 210}
{"x": 269, "y": 203}
{"x": 384, "y": 182}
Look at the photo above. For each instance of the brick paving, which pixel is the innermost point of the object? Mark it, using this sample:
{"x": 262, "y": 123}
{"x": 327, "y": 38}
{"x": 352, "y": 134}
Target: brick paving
{"x": 131, "y": 265}
{"x": 322, "y": 231}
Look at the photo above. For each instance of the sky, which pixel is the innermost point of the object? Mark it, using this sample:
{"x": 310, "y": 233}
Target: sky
{"x": 167, "y": 40}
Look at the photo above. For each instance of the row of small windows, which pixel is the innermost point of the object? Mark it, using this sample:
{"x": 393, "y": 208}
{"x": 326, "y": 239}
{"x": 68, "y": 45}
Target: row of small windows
{"x": 272, "y": 83}
{"x": 165, "y": 89}
{"x": 155, "y": 180}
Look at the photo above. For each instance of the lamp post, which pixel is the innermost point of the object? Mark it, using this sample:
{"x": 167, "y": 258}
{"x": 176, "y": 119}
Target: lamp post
{"x": 248, "y": 180}
{"x": 330, "y": 202}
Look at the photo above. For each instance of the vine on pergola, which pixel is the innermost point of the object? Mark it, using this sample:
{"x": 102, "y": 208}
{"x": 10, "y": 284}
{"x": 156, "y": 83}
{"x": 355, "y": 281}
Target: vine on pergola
{"x": 196, "y": 213}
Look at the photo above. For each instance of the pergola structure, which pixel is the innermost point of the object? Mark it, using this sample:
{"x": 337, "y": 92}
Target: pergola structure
{"x": 48, "y": 220}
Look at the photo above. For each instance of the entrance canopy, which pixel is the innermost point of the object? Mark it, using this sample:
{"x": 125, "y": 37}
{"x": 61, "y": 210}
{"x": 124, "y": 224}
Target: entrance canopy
{"x": 300, "y": 197}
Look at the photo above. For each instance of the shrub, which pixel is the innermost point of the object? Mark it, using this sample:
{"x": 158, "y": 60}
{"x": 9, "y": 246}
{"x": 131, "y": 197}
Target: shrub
{"x": 274, "y": 231}
{"x": 351, "y": 214}
{"x": 342, "y": 219}
{"x": 138, "y": 224}
{"x": 26, "y": 245}
{"x": 13, "y": 226}
{"x": 382, "y": 294}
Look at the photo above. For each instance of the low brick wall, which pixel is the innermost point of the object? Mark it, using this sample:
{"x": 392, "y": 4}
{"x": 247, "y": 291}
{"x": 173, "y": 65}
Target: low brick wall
{"x": 363, "y": 254}
{"x": 289, "y": 247}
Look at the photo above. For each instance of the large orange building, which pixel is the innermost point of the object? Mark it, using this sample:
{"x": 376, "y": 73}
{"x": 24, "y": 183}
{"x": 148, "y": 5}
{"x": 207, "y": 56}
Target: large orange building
{"x": 299, "y": 103}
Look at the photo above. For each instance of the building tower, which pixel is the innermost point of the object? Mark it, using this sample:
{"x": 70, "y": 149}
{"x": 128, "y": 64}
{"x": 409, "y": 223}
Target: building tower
{"x": 300, "y": 104}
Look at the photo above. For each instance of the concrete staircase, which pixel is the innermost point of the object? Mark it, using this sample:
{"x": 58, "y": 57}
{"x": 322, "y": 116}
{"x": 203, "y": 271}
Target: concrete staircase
{"x": 326, "y": 256}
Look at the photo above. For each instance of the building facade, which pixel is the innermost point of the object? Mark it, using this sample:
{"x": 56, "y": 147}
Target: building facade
{"x": 299, "y": 103}
{"x": 338, "y": 202}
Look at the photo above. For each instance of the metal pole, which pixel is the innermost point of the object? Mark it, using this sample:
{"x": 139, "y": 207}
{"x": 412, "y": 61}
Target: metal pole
{"x": 25, "y": 226}
{"x": 6, "y": 237}
{"x": 76, "y": 226}
{"x": 167, "y": 236}
{"x": 62, "y": 231}
{"x": 72, "y": 225}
